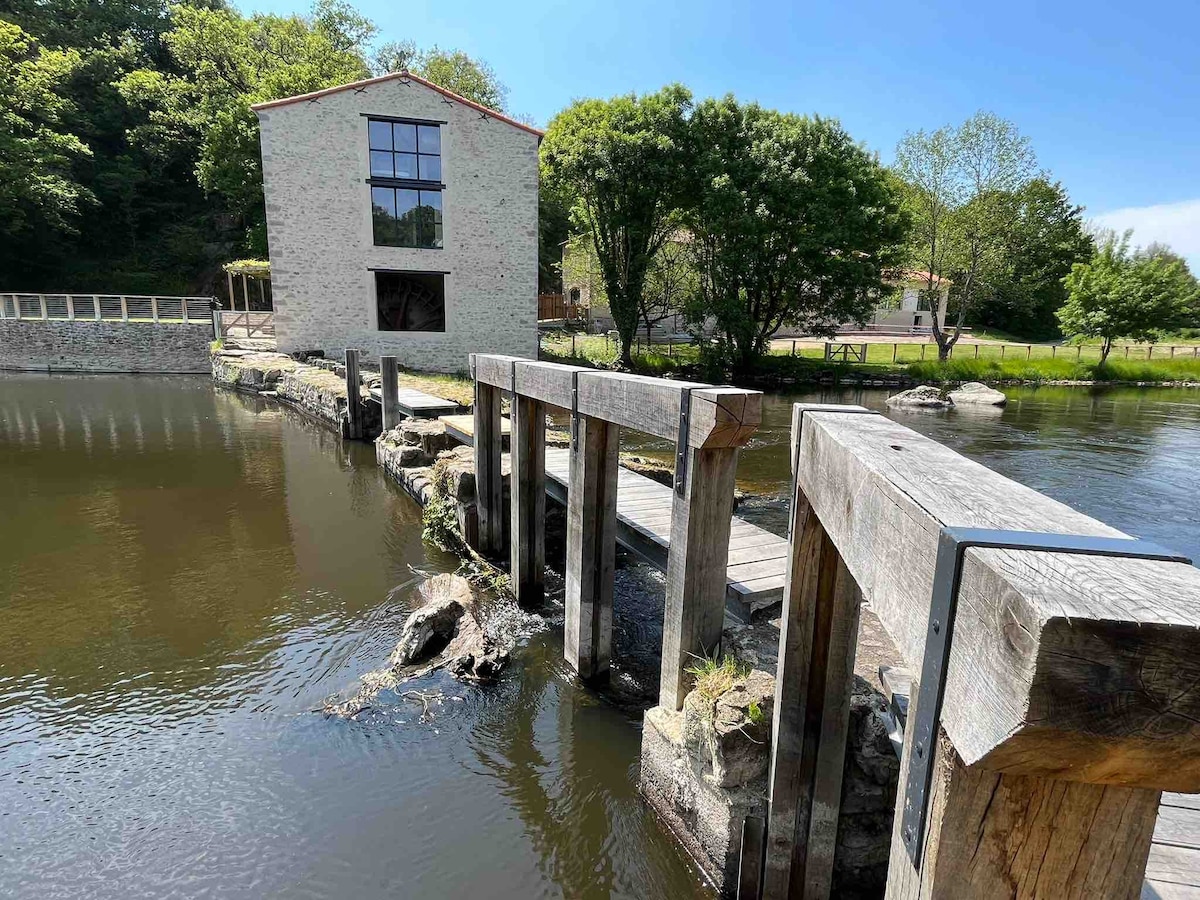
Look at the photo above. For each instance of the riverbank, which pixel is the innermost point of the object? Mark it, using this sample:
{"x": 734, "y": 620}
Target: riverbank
{"x": 780, "y": 369}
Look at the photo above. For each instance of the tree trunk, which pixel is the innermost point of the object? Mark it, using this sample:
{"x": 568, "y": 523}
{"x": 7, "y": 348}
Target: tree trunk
{"x": 1105, "y": 347}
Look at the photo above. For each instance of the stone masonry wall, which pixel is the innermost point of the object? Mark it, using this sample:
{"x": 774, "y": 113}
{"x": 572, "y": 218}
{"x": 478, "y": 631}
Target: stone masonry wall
{"x": 315, "y": 166}
{"x": 88, "y": 346}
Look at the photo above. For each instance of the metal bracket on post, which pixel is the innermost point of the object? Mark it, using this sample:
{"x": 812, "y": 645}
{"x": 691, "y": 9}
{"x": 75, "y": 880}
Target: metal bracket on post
{"x": 512, "y": 382}
{"x": 947, "y": 574}
{"x": 574, "y": 409}
{"x": 681, "y": 441}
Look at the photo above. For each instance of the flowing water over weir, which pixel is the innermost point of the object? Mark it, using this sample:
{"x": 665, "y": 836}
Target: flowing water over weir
{"x": 187, "y": 574}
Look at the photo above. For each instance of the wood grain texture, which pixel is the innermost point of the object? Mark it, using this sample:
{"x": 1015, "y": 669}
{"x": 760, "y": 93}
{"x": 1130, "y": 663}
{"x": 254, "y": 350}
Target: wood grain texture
{"x": 527, "y": 538}
{"x": 389, "y": 389}
{"x": 994, "y": 834}
{"x": 591, "y": 547}
{"x": 695, "y": 595}
{"x": 1084, "y": 668}
{"x": 489, "y": 487}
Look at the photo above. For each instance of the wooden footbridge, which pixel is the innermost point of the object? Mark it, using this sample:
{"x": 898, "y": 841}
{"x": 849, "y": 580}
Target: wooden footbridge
{"x": 1055, "y": 661}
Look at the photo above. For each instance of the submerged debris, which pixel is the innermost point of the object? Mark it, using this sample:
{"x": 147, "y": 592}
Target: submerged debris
{"x": 444, "y": 632}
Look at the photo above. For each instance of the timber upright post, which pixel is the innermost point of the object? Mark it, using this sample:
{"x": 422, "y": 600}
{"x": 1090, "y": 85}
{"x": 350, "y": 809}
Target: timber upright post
{"x": 591, "y": 544}
{"x": 527, "y": 539}
{"x": 354, "y": 417}
{"x": 489, "y": 486}
{"x": 818, "y": 634}
{"x": 701, "y": 515}
{"x": 389, "y": 388}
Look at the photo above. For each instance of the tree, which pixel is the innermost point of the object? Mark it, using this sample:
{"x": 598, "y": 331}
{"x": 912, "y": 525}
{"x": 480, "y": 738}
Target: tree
{"x": 623, "y": 161}
{"x": 671, "y": 282}
{"x": 793, "y": 224}
{"x": 39, "y": 191}
{"x": 1119, "y": 294}
{"x": 1047, "y": 238}
{"x": 961, "y": 181}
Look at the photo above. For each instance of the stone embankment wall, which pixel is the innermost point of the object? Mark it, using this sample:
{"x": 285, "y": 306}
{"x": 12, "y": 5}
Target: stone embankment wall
{"x": 87, "y": 346}
{"x": 316, "y": 389}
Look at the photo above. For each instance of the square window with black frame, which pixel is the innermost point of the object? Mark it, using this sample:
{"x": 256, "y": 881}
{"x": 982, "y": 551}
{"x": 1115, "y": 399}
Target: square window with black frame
{"x": 410, "y": 301}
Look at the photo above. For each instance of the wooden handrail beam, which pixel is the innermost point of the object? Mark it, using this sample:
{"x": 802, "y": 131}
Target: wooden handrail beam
{"x": 1071, "y": 667}
{"x": 720, "y": 416}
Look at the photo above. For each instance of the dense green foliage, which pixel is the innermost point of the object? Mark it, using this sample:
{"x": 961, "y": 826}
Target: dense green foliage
{"x": 792, "y": 222}
{"x": 622, "y": 162}
{"x": 1121, "y": 294}
{"x": 128, "y": 153}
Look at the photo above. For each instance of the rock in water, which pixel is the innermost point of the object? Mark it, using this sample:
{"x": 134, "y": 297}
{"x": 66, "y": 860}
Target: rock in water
{"x": 973, "y": 392}
{"x": 446, "y": 632}
{"x": 924, "y": 396}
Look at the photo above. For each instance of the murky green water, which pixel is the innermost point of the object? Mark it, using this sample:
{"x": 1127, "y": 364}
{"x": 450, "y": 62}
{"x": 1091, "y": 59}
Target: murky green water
{"x": 185, "y": 575}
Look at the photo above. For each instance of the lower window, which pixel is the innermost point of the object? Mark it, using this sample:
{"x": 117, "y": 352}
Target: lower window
{"x": 410, "y": 301}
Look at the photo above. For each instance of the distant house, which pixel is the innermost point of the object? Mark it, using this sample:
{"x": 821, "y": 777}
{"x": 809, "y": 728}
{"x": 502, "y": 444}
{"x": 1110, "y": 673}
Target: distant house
{"x": 402, "y": 220}
{"x": 909, "y": 306}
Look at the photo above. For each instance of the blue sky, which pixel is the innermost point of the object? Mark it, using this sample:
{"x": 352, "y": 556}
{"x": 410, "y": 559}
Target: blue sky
{"x": 1108, "y": 93}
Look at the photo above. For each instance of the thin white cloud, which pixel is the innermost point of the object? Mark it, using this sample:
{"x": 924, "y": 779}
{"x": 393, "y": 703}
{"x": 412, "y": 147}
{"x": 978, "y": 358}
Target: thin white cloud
{"x": 1177, "y": 224}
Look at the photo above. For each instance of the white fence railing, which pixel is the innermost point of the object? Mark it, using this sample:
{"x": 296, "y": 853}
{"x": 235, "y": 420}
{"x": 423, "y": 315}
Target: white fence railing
{"x": 106, "y": 307}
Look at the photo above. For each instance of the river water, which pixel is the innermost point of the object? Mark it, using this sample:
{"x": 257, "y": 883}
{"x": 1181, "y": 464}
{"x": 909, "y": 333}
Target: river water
{"x": 186, "y": 575}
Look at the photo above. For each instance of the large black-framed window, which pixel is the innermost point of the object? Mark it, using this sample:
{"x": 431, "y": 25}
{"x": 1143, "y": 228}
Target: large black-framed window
{"x": 410, "y": 301}
{"x": 406, "y": 183}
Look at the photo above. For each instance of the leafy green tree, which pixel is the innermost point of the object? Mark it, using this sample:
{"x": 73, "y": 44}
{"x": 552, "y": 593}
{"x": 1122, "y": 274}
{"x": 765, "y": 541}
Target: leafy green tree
{"x": 623, "y": 161}
{"x": 1119, "y": 294}
{"x": 457, "y": 72}
{"x": 960, "y": 186}
{"x": 40, "y": 194}
{"x": 228, "y": 62}
{"x": 793, "y": 223}
{"x": 1046, "y": 239}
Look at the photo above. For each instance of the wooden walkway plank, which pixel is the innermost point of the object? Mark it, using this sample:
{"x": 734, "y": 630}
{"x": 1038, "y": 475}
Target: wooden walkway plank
{"x": 417, "y": 404}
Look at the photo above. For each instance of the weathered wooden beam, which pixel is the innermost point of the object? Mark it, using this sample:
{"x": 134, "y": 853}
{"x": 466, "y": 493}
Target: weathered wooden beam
{"x": 489, "y": 486}
{"x": 720, "y": 416}
{"x": 1068, "y": 666}
{"x": 389, "y": 389}
{"x": 591, "y": 546}
{"x": 813, "y": 680}
{"x": 695, "y": 602}
{"x": 354, "y": 416}
{"x": 527, "y": 537}
{"x": 993, "y": 834}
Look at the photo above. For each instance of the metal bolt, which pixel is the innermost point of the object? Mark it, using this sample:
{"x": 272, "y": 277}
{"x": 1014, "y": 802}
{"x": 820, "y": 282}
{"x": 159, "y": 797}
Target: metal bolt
{"x": 921, "y": 750}
{"x": 908, "y": 835}
{"x": 937, "y": 626}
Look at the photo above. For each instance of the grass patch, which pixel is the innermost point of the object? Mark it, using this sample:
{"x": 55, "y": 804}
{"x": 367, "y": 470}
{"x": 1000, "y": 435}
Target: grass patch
{"x": 1041, "y": 370}
{"x": 601, "y": 352}
{"x": 216, "y": 345}
{"x": 457, "y": 387}
{"x": 714, "y": 677}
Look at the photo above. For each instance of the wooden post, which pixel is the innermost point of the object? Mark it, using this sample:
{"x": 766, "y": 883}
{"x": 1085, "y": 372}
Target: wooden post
{"x": 813, "y": 680}
{"x": 527, "y": 539}
{"x": 183, "y": 309}
{"x": 591, "y": 545}
{"x": 390, "y": 391}
{"x": 124, "y": 308}
{"x": 923, "y": 346}
{"x": 1127, "y": 351}
{"x": 1007, "y": 835}
{"x": 45, "y": 311}
{"x": 793, "y": 347}
{"x": 262, "y": 291}
{"x": 96, "y": 306}
{"x": 895, "y": 347}
{"x": 229, "y": 281}
{"x": 1053, "y": 351}
{"x": 1002, "y": 346}
{"x": 489, "y": 488}
{"x": 70, "y": 307}
{"x": 695, "y": 605}
{"x": 1078, "y": 351}
{"x": 977, "y": 351}
{"x": 354, "y": 428}
{"x": 246, "y": 298}
{"x": 154, "y": 309}
{"x": 1029, "y": 351}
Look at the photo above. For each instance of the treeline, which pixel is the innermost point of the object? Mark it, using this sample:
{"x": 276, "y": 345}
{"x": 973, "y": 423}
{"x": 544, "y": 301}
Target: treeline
{"x": 129, "y": 157}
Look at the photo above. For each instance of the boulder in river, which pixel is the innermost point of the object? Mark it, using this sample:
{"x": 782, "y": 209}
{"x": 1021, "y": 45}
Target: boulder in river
{"x": 924, "y": 396}
{"x": 975, "y": 393}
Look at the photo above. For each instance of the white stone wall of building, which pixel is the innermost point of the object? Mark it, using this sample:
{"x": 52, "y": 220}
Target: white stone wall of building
{"x": 315, "y": 166}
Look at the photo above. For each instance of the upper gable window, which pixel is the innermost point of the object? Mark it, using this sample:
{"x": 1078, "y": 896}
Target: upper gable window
{"x": 405, "y": 150}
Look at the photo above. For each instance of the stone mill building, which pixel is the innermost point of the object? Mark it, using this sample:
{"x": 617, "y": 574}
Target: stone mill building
{"x": 401, "y": 220}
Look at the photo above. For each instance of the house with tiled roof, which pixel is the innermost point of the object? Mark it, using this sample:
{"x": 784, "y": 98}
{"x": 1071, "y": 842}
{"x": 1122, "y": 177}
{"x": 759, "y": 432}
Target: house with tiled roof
{"x": 401, "y": 220}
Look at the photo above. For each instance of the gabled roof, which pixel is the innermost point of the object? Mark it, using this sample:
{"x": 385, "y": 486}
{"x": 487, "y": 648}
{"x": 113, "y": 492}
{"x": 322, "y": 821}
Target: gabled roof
{"x": 396, "y": 76}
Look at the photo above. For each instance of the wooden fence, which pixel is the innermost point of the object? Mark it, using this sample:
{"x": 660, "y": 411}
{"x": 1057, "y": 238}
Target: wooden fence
{"x": 106, "y": 307}
{"x": 247, "y": 324}
{"x": 1059, "y": 675}
{"x": 555, "y": 306}
{"x": 881, "y": 352}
